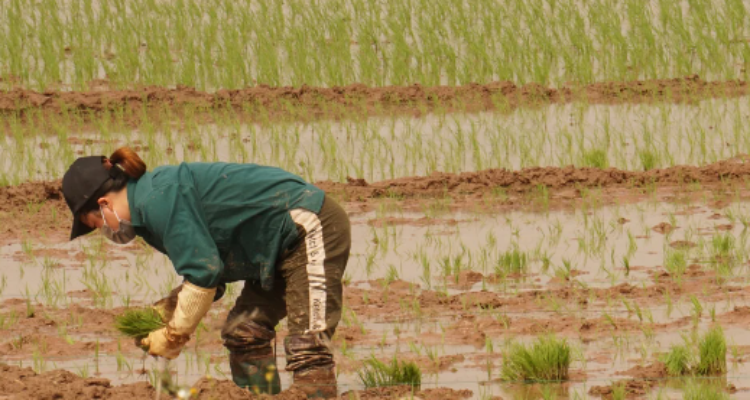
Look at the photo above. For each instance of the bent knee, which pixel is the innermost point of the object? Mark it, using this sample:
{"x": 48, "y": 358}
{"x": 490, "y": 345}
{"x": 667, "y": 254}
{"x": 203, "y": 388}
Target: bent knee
{"x": 245, "y": 335}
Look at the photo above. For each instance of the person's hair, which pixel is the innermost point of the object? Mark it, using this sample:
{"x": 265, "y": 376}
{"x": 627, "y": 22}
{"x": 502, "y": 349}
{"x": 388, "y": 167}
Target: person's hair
{"x": 123, "y": 165}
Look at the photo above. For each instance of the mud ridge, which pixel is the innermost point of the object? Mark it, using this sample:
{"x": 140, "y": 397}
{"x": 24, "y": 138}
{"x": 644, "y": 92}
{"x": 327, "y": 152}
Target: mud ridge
{"x": 525, "y": 180}
{"x": 39, "y": 206}
{"x": 263, "y": 103}
{"x": 24, "y": 383}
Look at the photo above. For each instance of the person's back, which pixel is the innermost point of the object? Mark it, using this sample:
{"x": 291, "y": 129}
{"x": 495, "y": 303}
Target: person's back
{"x": 244, "y": 206}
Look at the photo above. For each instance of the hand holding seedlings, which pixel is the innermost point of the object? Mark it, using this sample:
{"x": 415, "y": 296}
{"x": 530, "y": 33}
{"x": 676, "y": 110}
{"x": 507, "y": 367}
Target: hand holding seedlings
{"x": 139, "y": 323}
{"x": 193, "y": 302}
{"x": 163, "y": 329}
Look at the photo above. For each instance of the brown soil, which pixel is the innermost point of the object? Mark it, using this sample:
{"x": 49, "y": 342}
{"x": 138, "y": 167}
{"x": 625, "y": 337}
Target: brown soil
{"x": 264, "y": 103}
{"x": 644, "y": 378}
{"x": 398, "y": 392}
{"x": 526, "y": 180}
{"x": 664, "y": 228}
{"x": 424, "y": 221}
{"x": 468, "y": 318}
{"x": 23, "y": 383}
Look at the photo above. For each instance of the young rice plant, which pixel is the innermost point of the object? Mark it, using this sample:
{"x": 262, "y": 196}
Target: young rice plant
{"x": 547, "y": 359}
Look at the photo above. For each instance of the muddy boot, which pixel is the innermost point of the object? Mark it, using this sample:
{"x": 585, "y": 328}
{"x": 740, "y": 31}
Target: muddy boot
{"x": 258, "y": 375}
{"x": 317, "y": 382}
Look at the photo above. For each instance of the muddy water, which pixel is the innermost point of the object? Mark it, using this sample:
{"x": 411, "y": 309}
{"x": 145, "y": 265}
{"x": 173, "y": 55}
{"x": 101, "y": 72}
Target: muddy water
{"x": 587, "y": 246}
{"x": 623, "y": 136}
{"x": 593, "y": 243}
{"x": 61, "y": 273}
{"x": 389, "y": 245}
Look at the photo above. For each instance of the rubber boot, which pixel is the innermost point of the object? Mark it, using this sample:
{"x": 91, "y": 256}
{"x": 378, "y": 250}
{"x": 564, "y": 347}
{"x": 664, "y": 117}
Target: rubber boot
{"x": 259, "y": 375}
{"x": 317, "y": 382}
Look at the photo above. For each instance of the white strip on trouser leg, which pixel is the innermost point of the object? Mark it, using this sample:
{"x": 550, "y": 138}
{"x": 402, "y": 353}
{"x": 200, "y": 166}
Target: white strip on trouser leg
{"x": 316, "y": 274}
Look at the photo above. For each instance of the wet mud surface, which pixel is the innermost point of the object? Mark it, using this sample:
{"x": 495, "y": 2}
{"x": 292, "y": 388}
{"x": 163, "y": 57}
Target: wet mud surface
{"x": 426, "y": 285}
{"x": 472, "y": 309}
{"x": 265, "y": 103}
{"x": 24, "y": 383}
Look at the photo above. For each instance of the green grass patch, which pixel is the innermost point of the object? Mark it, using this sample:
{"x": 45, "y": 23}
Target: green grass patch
{"x": 376, "y": 373}
{"x": 377, "y": 43}
{"x": 648, "y": 159}
{"x": 547, "y": 359}
{"x": 705, "y": 357}
{"x": 514, "y": 261}
{"x": 678, "y": 360}
{"x": 596, "y": 158}
{"x": 712, "y": 353}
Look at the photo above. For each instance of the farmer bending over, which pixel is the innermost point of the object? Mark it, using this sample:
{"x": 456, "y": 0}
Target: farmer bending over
{"x": 222, "y": 223}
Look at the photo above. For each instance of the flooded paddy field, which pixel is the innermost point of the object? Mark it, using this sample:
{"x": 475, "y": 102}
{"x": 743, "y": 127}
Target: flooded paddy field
{"x": 548, "y": 199}
{"x": 448, "y": 288}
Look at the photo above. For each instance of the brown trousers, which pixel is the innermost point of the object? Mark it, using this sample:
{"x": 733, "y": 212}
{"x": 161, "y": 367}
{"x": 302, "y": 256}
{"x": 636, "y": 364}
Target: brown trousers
{"x": 307, "y": 289}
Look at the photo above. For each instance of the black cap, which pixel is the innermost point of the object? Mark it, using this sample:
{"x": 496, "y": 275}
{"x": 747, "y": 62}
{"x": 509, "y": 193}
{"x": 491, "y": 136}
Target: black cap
{"x": 80, "y": 183}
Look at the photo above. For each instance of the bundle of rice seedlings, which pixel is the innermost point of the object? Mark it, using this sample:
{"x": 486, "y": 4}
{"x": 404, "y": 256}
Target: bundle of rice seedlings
{"x": 378, "y": 374}
{"x": 547, "y": 359}
{"x": 139, "y": 322}
{"x": 712, "y": 351}
{"x": 678, "y": 360}
{"x": 706, "y": 357}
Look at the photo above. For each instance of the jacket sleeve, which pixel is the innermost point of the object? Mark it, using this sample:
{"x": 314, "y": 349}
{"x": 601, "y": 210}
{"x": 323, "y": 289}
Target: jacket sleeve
{"x": 173, "y": 214}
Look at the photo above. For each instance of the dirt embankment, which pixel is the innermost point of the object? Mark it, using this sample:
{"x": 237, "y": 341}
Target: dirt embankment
{"x": 441, "y": 184}
{"x": 24, "y": 383}
{"x": 263, "y": 103}
{"x": 40, "y": 205}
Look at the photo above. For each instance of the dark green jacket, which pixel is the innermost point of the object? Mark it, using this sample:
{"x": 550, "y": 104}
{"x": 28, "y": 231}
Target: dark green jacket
{"x": 220, "y": 222}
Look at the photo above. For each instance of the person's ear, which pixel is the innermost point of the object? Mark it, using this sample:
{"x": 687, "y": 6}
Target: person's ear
{"x": 103, "y": 201}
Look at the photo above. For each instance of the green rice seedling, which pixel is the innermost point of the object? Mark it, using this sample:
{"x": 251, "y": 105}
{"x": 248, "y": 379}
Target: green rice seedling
{"x": 39, "y": 364}
{"x": 648, "y": 159}
{"x": 540, "y": 196}
{"x": 712, "y": 353}
{"x": 722, "y": 247}
{"x": 618, "y": 391}
{"x": 139, "y": 322}
{"x": 512, "y": 262}
{"x": 547, "y": 359}
{"x": 697, "y": 308}
{"x": 595, "y": 158}
{"x": 376, "y": 373}
{"x": 675, "y": 262}
{"x": 391, "y": 275}
{"x": 83, "y": 371}
{"x": 378, "y": 43}
{"x": 8, "y": 320}
{"x": 565, "y": 271}
{"x": 626, "y": 265}
{"x": 704, "y": 391}
{"x": 678, "y": 360}
{"x": 669, "y": 303}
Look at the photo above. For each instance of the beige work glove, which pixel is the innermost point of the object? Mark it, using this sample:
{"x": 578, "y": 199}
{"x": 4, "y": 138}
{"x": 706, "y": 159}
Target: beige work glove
{"x": 166, "y": 306}
{"x": 193, "y": 302}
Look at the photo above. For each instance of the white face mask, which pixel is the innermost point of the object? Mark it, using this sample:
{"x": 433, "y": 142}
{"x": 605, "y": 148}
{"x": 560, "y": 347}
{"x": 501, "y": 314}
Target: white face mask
{"x": 124, "y": 234}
